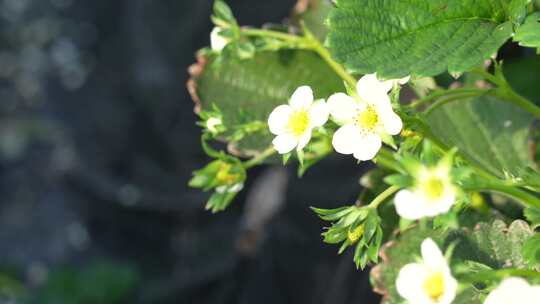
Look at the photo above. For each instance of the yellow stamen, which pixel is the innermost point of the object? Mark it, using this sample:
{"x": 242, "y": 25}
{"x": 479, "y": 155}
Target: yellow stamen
{"x": 368, "y": 119}
{"x": 355, "y": 234}
{"x": 298, "y": 122}
{"x": 433, "y": 188}
{"x": 224, "y": 176}
{"x": 434, "y": 285}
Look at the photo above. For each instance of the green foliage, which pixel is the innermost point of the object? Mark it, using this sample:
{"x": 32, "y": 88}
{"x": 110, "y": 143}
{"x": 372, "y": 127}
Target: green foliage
{"x": 226, "y": 176}
{"x": 491, "y": 133}
{"x": 531, "y": 251}
{"x": 313, "y": 14}
{"x": 359, "y": 227}
{"x": 517, "y": 10}
{"x": 246, "y": 91}
{"x": 425, "y": 38}
{"x": 223, "y": 15}
{"x": 102, "y": 282}
{"x": 523, "y": 74}
{"x": 11, "y": 288}
{"x": 489, "y": 245}
{"x": 529, "y": 33}
{"x": 485, "y": 124}
{"x": 533, "y": 216}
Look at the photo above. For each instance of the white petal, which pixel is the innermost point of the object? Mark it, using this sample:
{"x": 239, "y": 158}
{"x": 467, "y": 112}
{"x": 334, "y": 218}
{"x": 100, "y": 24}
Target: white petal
{"x": 217, "y": 42}
{"x": 318, "y": 113}
{"x": 371, "y": 89}
{"x": 369, "y": 145}
{"x": 284, "y": 143}
{"x": 450, "y": 289}
{"x": 408, "y": 206}
{"x": 347, "y": 139}
{"x": 432, "y": 255}
{"x": 409, "y": 282}
{"x": 447, "y": 201}
{"x": 403, "y": 80}
{"x": 236, "y": 188}
{"x": 302, "y": 98}
{"x": 304, "y": 140}
{"x": 279, "y": 118}
{"x": 342, "y": 107}
{"x": 534, "y": 292}
{"x": 511, "y": 290}
{"x": 212, "y": 123}
{"x": 392, "y": 123}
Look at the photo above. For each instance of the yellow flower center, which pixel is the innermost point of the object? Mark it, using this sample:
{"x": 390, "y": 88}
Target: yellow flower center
{"x": 355, "y": 234}
{"x": 224, "y": 176}
{"x": 368, "y": 119}
{"x": 434, "y": 285}
{"x": 298, "y": 122}
{"x": 433, "y": 188}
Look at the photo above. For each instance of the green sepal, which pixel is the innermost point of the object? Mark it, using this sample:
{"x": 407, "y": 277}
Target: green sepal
{"x": 220, "y": 201}
{"x": 403, "y": 181}
{"x": 223, "y": 15}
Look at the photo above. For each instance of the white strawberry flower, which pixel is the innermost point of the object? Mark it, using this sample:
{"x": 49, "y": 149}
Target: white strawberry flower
{"x": 433, "y": 193}
{"x": 230, "y": 188}
{"x": 429, "y": 281}
{"x": 365, "y": 119}
{"x": 514, "y": 290}
{"x": 293, "y": 123}
{"x": 212, "y": 123}
{"x": 218, "y": 42}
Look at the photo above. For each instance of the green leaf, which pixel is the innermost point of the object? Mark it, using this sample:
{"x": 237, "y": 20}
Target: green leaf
{"x": 399, "y": 180}
{"x": 248, "y": 90}
{"x": 333, "y": 214}
{"x": 313, "y": 14}
{"x": 101, "y": 282}
{"x": 533, "y": 216}
{"x": 489, "y": 132}
{"x": 523, "y": 74}
{"x": 494, "y": 245}
{"x": 424, "y": 38}
{"x": 531, "y": 251}
{"x": 529, "y": 33}
{"x": 517, "y": 10}
{"x": 223, "y": 14}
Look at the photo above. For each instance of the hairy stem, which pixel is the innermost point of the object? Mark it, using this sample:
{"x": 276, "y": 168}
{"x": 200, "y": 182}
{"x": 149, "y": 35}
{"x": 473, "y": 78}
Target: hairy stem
{"x": 338, "y": 68}
{"x": 439, "y": 94}
{"x": 273, "y": 34}
{"x": 449, "y": 99}
{"x": 383, "y": 196}
{"x": 513, "y": 192}
{"x": 308, "y": 43}
{"x": 259, "y": 159}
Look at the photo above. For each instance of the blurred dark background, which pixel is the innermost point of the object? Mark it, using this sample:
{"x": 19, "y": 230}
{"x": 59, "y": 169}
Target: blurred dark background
{"x": 97, "y": 143}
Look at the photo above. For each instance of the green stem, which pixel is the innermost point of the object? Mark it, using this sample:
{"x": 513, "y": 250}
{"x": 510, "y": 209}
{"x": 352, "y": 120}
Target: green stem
{"x": 386, "y": 159}
{"x": 338, "y": 68}
{"x": 507, "y": 92}
{"x": 444, "y": 93}
{"x": 257, "y": 160}
{"x": 489, "y": 275}
{"x": 489, "y": 77}
{"x": 309, "y": 43}
{"x": 522, "y": 102}
{"x": 452, "y": 98}
{"x": 273, "y": 34}
{"x": 522, "y": 196}
{"x": 383, "y": 196}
